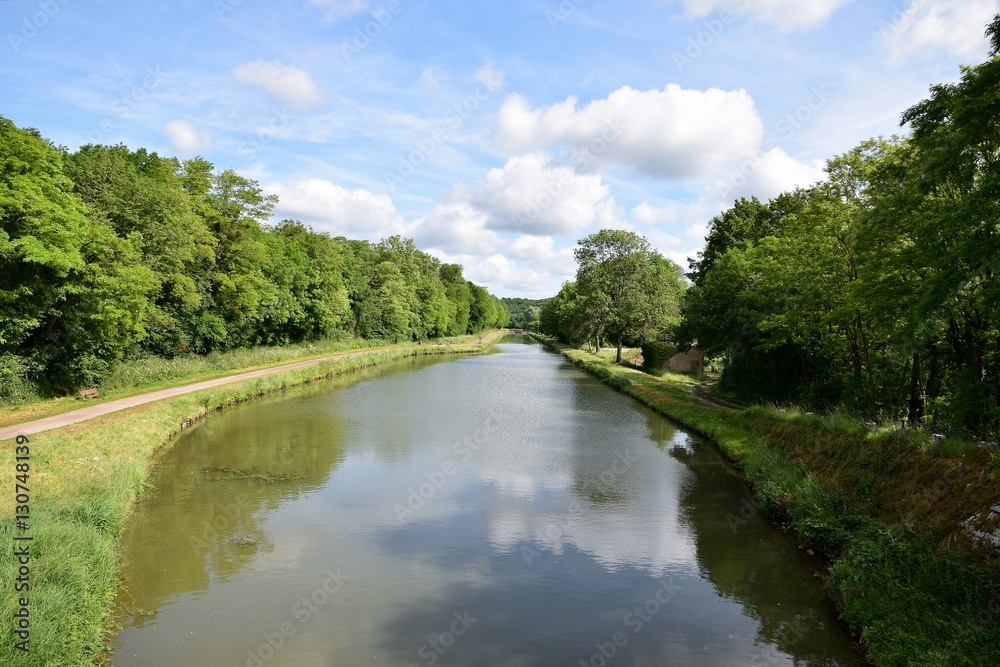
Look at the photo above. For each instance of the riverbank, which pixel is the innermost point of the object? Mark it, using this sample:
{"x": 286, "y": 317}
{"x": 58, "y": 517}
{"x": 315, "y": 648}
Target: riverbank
{"x": 893, "y": 517}
{"x": 82, "y": 482}
{"x": 138, "y": 376}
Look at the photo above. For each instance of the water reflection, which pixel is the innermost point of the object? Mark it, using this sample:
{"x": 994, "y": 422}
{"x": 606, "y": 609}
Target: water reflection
{"x": 216, "y": 488}
{"x": 496, "y": 510}
{"x": 748, "y": 561}
{"x": 205, "y": 518}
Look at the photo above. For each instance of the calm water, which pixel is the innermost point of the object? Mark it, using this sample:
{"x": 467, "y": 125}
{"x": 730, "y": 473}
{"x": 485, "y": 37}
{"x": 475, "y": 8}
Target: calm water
{"x": 505, "y": 510}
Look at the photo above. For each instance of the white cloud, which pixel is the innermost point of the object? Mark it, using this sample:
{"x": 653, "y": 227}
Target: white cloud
{"x": 767, "y": 175}
{"x": 677, "y": 231}
{"x": 504, "y": 276}
{"x": 456, "y": 228}
{"x": 645, "y": 214}
{"x": 697, "y": 231}
{"x": 532, "y": 196}
{"x": 954, "y": 26}
{"x": 331, "y": 208}
{"x": 779, "y": 172}
{"x": 186, "y": 139}
{"x": 432, "y": 77}
{"x": 673, "y": 247}
{"x": 532, "y": 247}
{"x": 291, "y": 85}
{"x": 490, "y": 76}
{"x": 787, "y": 15}
{"x": 338, "y": 9}
{"x": 541, "y": 251}
{"x": 672, "y": 133}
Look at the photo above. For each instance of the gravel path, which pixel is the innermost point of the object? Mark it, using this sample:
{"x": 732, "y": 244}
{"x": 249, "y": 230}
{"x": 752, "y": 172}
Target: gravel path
{"x": 83, "y": 414}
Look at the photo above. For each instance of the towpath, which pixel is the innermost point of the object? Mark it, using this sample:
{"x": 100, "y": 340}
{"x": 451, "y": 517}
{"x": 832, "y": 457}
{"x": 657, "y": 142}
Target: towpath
{"x": 83, "y": 414}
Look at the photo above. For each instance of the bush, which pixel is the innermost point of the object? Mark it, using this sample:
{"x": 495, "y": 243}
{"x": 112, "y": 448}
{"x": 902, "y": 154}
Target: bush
{"x": 620, "y": 383}
{"x": 15, "y": 384}
{"x": 655, "y": 354}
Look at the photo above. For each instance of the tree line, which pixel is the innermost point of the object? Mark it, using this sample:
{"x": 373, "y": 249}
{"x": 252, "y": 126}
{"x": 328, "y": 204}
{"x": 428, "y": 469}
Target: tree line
{"x": 877, "y": 289}
{"x": 524, "y": 313}
{"x": 108, "y": 254}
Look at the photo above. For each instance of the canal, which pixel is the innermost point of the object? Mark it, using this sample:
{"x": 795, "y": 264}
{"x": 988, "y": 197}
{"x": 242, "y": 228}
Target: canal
{"x": 497, "y": 510}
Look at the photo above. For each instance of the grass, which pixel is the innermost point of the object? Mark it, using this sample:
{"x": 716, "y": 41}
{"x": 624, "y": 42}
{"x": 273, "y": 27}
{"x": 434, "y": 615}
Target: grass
{"x": 886, "y": 510}
{"x": 84, "y": 479}
{"x": 139, "y": 376}
{"x": 629, "y": 354}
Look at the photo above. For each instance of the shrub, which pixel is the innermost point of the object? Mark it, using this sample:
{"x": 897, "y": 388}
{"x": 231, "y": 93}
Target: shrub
{"x": 15, "y": 384}
{"x": 620, "y": 383}
{"x": 656, "y": 354}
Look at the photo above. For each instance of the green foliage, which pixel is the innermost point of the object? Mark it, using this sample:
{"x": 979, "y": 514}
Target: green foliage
{"x": 619, "y": 382}
{"x": 628, "y": 289}
{"x": 878, "y": 289}
{"x": 571, "y": 317}
{"x": 656, "y": 354}
{"x": 139, "y": 195}
{"x": 109, "y": 254}
{"x": 460, "y": 299}
{"x": 74, "y": 296}
{"x": 745, "y": 223}
{"x": 602, "y": 372}
{"x": 524, "y": 313}
{"x": 624, "y": 290}
{"x": 15, "y": 374}
{"x": 909, "y": 603}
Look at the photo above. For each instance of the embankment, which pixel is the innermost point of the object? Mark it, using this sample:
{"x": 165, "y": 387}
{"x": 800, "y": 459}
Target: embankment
{"x": 82, "y": 481}
{"x": 894, "y": 520}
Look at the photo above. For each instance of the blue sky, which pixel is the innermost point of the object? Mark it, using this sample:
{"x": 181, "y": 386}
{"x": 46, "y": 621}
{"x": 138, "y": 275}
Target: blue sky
{"x": 494, "y": 134}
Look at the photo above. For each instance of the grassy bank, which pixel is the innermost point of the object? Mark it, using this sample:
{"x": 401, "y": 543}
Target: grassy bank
{"x": 889, "y": 513}
{"x": 139, "y": 376}
{"x": 83, "y": 482}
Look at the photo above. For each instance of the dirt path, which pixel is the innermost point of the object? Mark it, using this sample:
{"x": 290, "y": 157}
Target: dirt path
{"x": 722, "y": 405}
{"x": 83, "y": 414}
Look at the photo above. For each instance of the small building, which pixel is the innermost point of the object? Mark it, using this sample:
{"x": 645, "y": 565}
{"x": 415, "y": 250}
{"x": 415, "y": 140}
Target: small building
{"x": 687, "y": 362}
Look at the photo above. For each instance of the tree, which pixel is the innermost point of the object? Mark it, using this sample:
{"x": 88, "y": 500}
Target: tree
{"x": 956, "y": 133}
{"x": 109, "y": 253}
{"x": 44, "y": 227}
{"x": 523, "y": 311}
{"x": 312, "y": 299}
{"x": 532, "y": 317}
{"x": 236, "y": 210}
{"x": 626, "y": 284}
{"x": 459, "y": 299}
{"x": 139, "y": 195}
{"x": 73, "y": 295}
{"x": 785, "y": 309}
{"x": 745, "y": 223}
